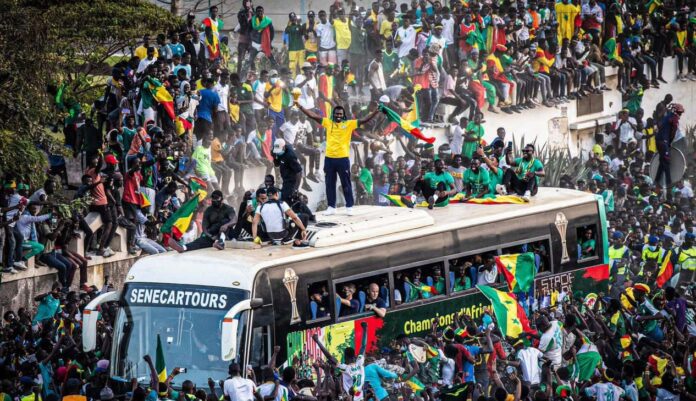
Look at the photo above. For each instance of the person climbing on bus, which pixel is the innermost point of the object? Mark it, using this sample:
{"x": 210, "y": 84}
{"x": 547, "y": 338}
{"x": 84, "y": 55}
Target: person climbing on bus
{"x": 353, "y": 368}
{"x": 217, "y": 218}
{"x": 523, "y": 179}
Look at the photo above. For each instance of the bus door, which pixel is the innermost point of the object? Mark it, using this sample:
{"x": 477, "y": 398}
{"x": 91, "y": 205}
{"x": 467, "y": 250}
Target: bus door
{"x": 262, "y": 331}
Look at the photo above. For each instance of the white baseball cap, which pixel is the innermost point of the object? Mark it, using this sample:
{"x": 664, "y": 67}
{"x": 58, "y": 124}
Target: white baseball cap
{"x": 278, "y": 145}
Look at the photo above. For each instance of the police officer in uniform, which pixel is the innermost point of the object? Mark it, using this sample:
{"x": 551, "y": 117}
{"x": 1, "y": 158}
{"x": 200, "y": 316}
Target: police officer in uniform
{"x": 651, "y": 255}
{"x": 617, "y": 251}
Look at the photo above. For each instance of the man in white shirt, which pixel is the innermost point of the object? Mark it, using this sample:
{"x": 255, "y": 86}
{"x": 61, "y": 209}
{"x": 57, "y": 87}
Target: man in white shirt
{"x": 551, "y": 342}
{"x": 406, "y": 37}
{"x": 488, "y": 273}
{"x": 353, "y": 369}
{"x": 276, "y": 228}
{"x": 625, "y": 128}
{"x": 308, "y": 85}
{"x": 259, "y": 88}
{"x": 290, "y": 128}
{"x": 222, "y": 116}
{"x": 375, "y": 75}
{"x": 528, "y": 360}
{"x": 271, "y": 387}
{"x": 237, "y": 388}
{"x": 456, "y": 136}
{"x": 327, "y": 40}
{"x": 144, "y": 63}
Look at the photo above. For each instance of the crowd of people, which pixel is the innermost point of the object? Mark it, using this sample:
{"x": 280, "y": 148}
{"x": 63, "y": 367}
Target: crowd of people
{"x": 184, "y": 113}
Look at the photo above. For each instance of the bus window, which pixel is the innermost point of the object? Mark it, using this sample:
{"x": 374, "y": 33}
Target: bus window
{"x": 420, "y": 282}
{"x": 468, "y": 271}
{"x": 363, "y": 295}
{"x": 587, "y": 244}
{"x": 319, "y": 301}
{"x": 541, "y": 250}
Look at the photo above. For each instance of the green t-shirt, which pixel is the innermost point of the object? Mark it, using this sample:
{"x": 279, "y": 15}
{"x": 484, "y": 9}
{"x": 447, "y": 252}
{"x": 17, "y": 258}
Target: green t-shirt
{"x": 366, "y": 179}
{"x": 128, "y": 135}
{"x": 390, "y": 62}
{"x": 245, "y": 93}
{"x": 495, "y": 180}
{"x": 434, "y": 179}
{"x": 295, "y": 40}
{"x": 479, "y": 183}
{"x": 469, "y": 148}
{"x": 590, "y": 243}
{"x": 462, "y": 283}
{"x": 647, "y": 309}
{"x": 523, "y": 167}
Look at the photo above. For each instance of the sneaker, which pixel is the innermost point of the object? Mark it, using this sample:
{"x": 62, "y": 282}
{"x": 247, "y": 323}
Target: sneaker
{"x": 300, "y": 245}
{"x": 431, "y": 203}
{"x": 349, "y": 211}
{"x": 107, "y": 252}
{"x": 19, "y": 265}
{"x": 527, "y": 196}
{"x": 9, "y": 270}
{"x": 330, "y": 211}
{"x": 306, "y": 187}
{"x": 312, "y": 178}
{"x": 500, "y": 189}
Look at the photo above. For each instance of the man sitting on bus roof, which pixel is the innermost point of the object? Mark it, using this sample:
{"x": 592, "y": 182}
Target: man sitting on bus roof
{"x": 275, "y": 214}
{"x": 522, "y": 178}
{"x": 217, "y": 218}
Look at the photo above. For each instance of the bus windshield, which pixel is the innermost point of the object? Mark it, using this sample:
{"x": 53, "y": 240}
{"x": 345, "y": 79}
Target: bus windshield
{"x": 188, "y": 321}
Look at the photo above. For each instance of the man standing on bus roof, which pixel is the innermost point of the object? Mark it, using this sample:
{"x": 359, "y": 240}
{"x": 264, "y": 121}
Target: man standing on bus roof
{"x": 523, "y": 179}
{"x": 353, "y": 369}
{"x": 337, "y": 159}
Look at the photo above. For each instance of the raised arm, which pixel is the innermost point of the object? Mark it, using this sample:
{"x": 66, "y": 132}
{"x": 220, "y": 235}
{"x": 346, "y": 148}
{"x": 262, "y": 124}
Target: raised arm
{"x": 363, "y": 341}
{"x": 312, "y": 115}
{"x": 324, "y": 351}
{"x": 368, "y": 117}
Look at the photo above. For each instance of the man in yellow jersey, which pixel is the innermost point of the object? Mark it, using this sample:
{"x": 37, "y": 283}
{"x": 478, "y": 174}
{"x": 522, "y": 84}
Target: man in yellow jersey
{"x": 337, "y": 159}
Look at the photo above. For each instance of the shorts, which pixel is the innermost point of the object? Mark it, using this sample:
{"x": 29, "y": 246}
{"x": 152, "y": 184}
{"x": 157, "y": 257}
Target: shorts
{"x": 327, "y": 56}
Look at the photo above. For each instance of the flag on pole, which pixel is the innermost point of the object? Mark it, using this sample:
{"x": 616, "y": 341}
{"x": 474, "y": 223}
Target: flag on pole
{"x": 404, "y": 124}
{"x": 162, "y": 96}
{"x": 666, "y": 270}
{"x": 178, "y": 223}
{"x": 511, "y": 317}
{"x": 519, "y": 270}
{"x": 160, "y": 365}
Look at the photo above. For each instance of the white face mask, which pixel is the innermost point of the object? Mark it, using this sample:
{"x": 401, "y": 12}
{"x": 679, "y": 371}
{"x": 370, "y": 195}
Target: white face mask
{"x": 273, "y": 81}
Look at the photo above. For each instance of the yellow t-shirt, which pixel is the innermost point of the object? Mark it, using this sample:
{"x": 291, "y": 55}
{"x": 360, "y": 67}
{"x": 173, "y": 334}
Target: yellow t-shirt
{"x": 141, "y": 52}
{"x": 338, "y": 137}
{"x": 342, "y": 34}
{"x": 234, "y": 112}
{"x": 276, "y": 97}
{"x": 216, "y": 151}
{"x": 385, "y": 30}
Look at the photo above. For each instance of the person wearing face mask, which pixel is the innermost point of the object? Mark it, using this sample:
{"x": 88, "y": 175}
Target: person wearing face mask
{"x": 285, "y": 158}
{"x": 217, "y": 218}
{"x": 336, "y": 161}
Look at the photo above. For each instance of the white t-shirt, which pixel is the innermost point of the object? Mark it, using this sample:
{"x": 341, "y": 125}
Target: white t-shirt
{"x": 259, "y": 94}
{"x": 448, "y": 30}
{"x": 529, "y": 363}
{"x": 448, "y": 367}
{"x": 354, "y": 376}
{"x": 144, "y": 63}
{"x": 487, "y": 277}
{"x": 626, "y": 132}
{"x": 457, "y": 140}
{"x": 309, "y": 92}
{"x": 605, "y": 391}
{"x": 266, "y": 389}
{"x": 325, "y": 33}
{"x": 272, "y": 216}
{"x": 290, "y": 131}
{"x": 224, "y": 93}
{"x": 239, "y": 389}
{"x": 408, "y": 40}
{"x": 664, "y": 395}
{"x": 551, "y": 344}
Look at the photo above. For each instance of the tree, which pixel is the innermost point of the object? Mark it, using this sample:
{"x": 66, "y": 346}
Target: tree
{"x": 49, "y": 43}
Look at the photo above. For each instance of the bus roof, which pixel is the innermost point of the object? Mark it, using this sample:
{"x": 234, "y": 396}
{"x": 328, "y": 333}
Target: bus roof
{"x": 370, "y": 226}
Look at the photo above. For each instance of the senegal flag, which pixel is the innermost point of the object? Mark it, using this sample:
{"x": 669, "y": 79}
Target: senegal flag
{"x": 160, "y": 366}
{"x": 399, "y": 200}
{"x": 182, "y": 125}
{"x": 666, "y": 270}
{"x": 499, "y": 200}
{"x": 613, "y": 50}
{"x": 659, "y": 365}
{"x": 196, "y": 184}
{"x": 653, "y": 5}
{"x": 162, "y": 96}
{"x": 405, "y": 125}
{"x": 178, "y": 223}
{"x": 428, "y": 289}
{"x": 519, "y": 270}
{"x": 511, "y": 317}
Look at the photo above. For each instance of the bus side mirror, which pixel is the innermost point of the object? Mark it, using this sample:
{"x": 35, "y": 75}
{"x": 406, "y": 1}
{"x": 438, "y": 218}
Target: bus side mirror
{"x": 90, "y": 316}
{"x": 230, "y": 325}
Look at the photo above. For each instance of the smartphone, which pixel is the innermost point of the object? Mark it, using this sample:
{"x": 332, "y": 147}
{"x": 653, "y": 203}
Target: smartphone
{"x": 183, "y": 370}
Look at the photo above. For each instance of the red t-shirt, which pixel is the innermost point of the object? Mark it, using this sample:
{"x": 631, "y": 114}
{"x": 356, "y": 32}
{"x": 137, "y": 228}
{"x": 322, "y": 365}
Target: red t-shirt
{"x": 131, "y": 187}
{"x": 98, "y": 193}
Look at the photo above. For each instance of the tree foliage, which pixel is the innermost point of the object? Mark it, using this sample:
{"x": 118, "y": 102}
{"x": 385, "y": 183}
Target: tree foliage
{"x": 46, "y": 43}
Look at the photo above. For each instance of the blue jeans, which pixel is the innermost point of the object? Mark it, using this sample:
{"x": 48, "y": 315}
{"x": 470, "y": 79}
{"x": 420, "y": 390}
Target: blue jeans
{"x": 59, "y": 262}
{"x": 149, "y": 246}
{"x": 278, "y": 120}
{"x": 433, "y": 101}
{"x": 340, "y": 166}
{"x": 14, "y": 241}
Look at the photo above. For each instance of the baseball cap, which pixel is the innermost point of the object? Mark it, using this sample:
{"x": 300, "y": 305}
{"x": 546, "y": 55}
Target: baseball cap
{"x": 110, "y": 159}
{"x": 306, "y": 64}
{"x": 273, "y": 73}
{"x": 617, "y": 235}
{"x": 384, "y": 99}
{"x": 278, "y": 145}
{"x": 642, "y": 288}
